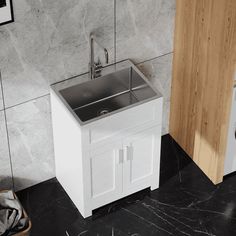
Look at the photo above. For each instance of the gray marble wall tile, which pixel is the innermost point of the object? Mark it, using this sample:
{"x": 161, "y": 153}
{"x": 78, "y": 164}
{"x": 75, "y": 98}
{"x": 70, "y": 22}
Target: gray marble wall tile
{"x": 1, "y": 102}
{"x": 31, "y": 143}
{"x": 159, "y": 72}
{"x": 74, "y": 20}
{"x": 29, "y": 57}
{"x": 48, "y": 42}
{"x": 5, "y": 168}
{"x": 144, "y": 28}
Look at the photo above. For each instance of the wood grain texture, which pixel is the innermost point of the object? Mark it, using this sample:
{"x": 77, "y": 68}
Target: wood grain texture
{"x": 203, "y": 70}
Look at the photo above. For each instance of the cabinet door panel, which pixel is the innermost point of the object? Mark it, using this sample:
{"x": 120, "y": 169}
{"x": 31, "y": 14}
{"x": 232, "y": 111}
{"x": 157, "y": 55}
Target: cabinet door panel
{"x": 106, "y": 174}
{"x": 103, "y": 173}
{"x": 142, "y": 158}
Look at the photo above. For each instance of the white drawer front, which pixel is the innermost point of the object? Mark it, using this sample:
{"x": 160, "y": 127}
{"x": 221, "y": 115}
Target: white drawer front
{"x": 147, "y": 113}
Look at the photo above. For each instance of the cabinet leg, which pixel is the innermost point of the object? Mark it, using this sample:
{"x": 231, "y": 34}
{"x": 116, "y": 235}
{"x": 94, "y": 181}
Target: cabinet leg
{"x": 87, "y": 213}
{"x": 154, "y": 186}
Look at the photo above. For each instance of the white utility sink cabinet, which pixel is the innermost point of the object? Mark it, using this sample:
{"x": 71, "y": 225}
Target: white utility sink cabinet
{"x": 109, "y": 158}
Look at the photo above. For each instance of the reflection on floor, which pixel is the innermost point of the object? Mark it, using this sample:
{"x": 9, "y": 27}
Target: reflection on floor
{"x": 186, "y": 203}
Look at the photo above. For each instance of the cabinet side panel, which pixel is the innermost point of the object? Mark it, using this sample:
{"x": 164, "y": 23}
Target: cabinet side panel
{"x": 68, "y": 155}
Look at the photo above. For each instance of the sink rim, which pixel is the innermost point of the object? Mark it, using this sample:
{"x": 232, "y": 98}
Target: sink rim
{"x": 56, "y": 89}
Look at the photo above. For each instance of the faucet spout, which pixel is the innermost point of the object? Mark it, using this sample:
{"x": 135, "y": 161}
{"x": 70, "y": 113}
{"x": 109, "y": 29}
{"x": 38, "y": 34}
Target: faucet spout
{"x": 91, "y": 63}
{"x": 95, "y": 67}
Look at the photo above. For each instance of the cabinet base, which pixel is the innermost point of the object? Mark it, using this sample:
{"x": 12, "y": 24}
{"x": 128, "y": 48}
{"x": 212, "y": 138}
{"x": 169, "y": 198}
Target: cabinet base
{"x": 153, "y": 187}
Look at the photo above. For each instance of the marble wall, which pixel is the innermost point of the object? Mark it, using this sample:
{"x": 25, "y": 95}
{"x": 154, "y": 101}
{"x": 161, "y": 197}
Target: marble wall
{"x": 144, "y": 28}
{"x": 5, "y": 168}
{"x": 47, "y": 43}
{"x": 1, "y": 101}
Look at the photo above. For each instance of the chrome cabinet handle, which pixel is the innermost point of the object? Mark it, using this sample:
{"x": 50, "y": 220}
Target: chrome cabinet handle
{"x": 129, "y": 153}
{"x": 120, "y": 158}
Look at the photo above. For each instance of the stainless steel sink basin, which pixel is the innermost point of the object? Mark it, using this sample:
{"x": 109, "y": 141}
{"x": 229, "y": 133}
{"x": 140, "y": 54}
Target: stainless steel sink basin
{"x": 108, "y": 94}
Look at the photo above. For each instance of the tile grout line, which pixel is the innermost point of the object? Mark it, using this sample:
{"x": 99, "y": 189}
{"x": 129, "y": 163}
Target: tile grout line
{"x": 30, "y": 100}
{"x": 7, "y": 133}
{"x": 154, "y": 58}
{"x": 115, "y": 31}
{"x": 72, "y": 77}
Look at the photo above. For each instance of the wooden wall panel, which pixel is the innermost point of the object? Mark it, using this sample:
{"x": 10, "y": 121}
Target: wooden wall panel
{"x": 203, "y": 69}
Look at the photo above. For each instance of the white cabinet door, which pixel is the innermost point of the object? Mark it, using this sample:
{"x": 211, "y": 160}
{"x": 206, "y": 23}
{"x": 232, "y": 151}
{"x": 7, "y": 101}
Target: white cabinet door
{"x": 105, "y": 165}
{"x": 142, "y": 160}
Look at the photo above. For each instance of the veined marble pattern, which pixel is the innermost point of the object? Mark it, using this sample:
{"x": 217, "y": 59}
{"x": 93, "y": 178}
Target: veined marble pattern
{"x": 1, "y": 102}
{"x": 29, "y": 58}
{"x": 144, "y": 28}
{"x": 30, "y": 134}
{"x": 48, "y": 42}
{"x": 74, "y": 20}
{"x": 185, "y": 204}
{"x": 5, "y": 168}
{"x": 159, "y": 72}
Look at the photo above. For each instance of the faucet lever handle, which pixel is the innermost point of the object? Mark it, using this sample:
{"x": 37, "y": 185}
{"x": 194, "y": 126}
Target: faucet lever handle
{"x": 106, "y": 55}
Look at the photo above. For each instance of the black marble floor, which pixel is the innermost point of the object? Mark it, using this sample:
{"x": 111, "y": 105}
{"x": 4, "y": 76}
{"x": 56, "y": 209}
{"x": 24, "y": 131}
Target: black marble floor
{"x": 186, "y": 203}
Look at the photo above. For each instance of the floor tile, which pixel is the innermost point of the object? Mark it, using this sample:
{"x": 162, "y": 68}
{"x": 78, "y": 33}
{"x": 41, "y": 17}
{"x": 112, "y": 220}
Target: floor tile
{"x": 186, "y": 203}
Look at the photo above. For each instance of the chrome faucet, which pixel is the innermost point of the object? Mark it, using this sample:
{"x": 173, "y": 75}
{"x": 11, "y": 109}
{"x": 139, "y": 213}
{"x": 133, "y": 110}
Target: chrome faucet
{"x": 95, "y": 68}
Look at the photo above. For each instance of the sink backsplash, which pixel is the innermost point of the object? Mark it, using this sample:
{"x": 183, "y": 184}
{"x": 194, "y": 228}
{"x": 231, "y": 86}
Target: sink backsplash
{"x": 47, "y": 43}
